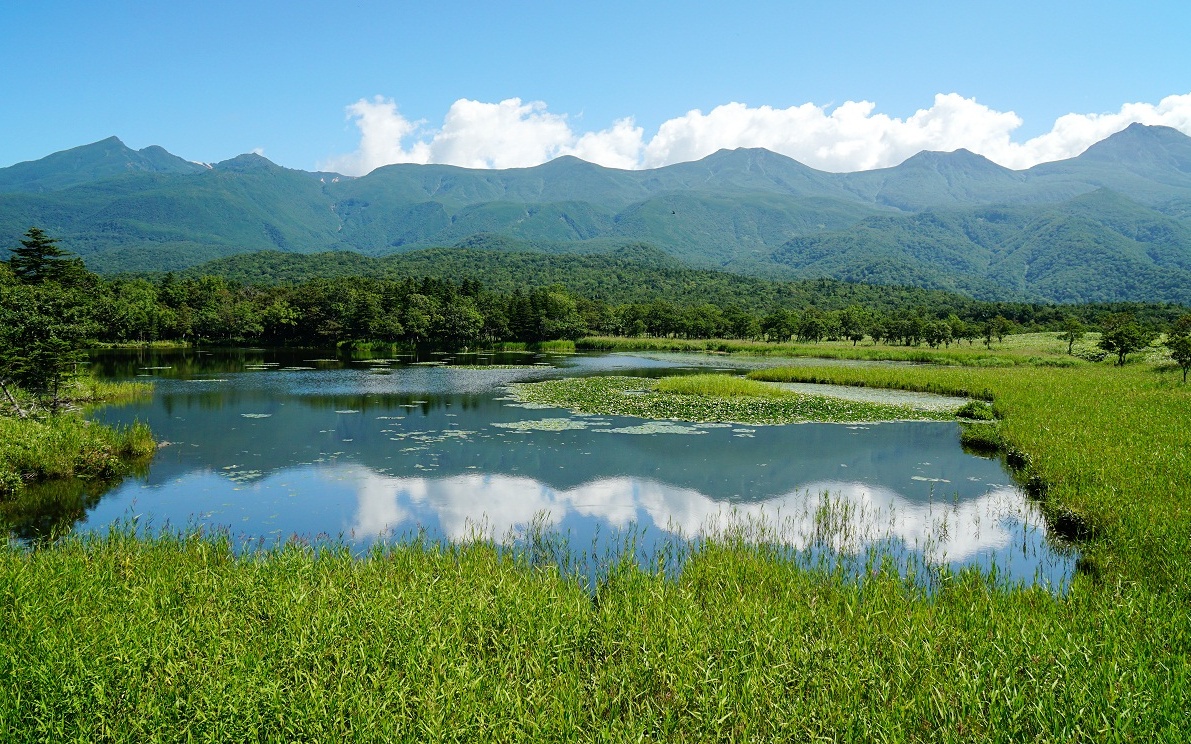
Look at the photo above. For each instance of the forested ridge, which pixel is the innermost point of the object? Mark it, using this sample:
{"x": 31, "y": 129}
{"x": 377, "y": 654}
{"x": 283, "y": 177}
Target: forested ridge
{"x": 466, "y": 298}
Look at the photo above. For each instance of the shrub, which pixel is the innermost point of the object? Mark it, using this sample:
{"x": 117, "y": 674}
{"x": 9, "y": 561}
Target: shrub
{"x": 976, "y": 410}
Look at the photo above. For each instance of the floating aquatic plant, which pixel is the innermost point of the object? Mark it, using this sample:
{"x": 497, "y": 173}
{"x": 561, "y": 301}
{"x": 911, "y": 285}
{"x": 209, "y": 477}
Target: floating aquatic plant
{"x": 546, "y": 424}
{"x": 640, "y": 397}
{"x": 654, "y": 427}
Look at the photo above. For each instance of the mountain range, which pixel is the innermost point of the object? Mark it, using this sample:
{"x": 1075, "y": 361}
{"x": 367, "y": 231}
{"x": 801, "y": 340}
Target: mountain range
{"x": 1112, "y": 224}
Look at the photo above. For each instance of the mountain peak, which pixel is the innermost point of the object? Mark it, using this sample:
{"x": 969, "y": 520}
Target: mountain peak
{"x": 107, "y": 158}
{"x": 1142, "y": 141}
{"x": 246, "y": 163}
{"x": 961, "y": 159}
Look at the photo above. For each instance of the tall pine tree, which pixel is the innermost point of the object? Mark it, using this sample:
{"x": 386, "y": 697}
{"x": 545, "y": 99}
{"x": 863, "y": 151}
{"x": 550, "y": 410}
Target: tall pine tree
{"x": 39, "y": 258}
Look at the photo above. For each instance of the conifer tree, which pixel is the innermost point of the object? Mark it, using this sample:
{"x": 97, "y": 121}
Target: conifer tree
{"x": 39, "y": 258}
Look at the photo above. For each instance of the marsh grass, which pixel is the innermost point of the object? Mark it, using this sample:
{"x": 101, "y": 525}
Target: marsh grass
{"x": 719, "y": 385}
{"x": 976, "y": 410}
{"x": 65, "y": 445}
{"x": 126, "y": 637}
{"x": 93, "y": 390}
{"x": 1027, "y": 349}
{"x": 560, "y": 346}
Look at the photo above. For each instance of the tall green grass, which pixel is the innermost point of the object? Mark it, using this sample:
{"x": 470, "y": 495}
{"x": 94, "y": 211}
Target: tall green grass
{"x": 93, "y": 390}
{"x": 66, "y": 446}
{"x": 120, "y": 638}
{"x": 718, "y": 385}
{"x": 1037, "y": 349}
{"x": 46, "y": 447}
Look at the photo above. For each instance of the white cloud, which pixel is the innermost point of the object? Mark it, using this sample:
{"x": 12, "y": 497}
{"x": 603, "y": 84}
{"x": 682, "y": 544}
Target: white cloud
{"x": 382, "y": 130}
{"x": 618, "y": 147}
{"x": 508, "y": 134}
{"x": 849, "y": 137}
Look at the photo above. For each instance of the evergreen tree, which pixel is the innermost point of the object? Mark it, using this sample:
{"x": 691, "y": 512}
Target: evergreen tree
{"x": 39, "y": 259}
{"x": 43, "y": 330}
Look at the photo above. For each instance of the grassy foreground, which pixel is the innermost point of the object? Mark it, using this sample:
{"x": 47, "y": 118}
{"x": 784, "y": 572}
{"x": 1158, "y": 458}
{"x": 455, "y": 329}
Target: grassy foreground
{"x": 129, "y": 639}
{"x": 126, "y": 639}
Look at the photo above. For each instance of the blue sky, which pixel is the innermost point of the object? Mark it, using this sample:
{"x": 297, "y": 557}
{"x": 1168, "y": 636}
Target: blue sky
{"x": 210, "y": 80}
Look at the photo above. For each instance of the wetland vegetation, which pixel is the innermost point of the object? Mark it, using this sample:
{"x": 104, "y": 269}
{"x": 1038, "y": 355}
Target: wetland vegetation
{"x": 132, "y": 633}
{"x": 182, "y": 633}
{"x": 710, "y": 397}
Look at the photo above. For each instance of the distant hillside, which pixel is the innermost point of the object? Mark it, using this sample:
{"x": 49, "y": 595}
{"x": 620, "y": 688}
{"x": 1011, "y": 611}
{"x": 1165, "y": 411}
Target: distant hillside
{"x": 1098, "y": 247}
{"x": 635, "y": 273}
{"x": 1110, "y": 224}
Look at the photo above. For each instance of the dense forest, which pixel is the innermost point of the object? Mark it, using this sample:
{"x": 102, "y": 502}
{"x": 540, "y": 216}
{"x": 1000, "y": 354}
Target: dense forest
{"x": 440, "y": 297}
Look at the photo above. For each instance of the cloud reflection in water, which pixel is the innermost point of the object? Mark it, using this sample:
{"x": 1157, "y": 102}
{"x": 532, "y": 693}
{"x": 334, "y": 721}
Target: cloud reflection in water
{"x": 845, "y": 515}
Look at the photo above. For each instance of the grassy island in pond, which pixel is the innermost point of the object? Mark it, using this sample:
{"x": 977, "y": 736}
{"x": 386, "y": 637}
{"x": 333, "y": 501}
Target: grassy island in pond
{"x": 41, "y": 446}
{"x": 710, "y": 397}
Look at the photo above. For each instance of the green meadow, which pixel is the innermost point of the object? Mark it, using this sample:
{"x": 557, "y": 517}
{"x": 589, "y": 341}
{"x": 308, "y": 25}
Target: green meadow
{"x": 129, "y": 637}
{"x": 1032, "y": 349}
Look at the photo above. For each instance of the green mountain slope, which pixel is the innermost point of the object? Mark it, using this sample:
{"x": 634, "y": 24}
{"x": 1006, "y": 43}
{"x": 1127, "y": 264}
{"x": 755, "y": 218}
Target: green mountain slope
{"x": 168, "y": 221}
{"x": 1098, "y": 247}
{"x": 1111, "y": 224}
{"x": 1150, "y": 164}
{"x": 937, "y": 179}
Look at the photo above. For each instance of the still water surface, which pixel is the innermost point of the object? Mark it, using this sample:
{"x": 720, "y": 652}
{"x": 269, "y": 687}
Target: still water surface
{"x": 277, "y": 444}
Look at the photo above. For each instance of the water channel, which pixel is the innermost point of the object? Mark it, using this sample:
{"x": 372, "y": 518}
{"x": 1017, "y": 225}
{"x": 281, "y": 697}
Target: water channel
{"x": 270, "y": 445}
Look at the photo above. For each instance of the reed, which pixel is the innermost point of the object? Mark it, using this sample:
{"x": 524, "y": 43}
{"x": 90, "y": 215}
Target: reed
{"x": 1028, "y": 349}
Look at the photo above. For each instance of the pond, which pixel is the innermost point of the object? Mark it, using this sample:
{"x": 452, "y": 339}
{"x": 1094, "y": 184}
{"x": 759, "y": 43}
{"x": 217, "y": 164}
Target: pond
{"x": 275, "y": 444}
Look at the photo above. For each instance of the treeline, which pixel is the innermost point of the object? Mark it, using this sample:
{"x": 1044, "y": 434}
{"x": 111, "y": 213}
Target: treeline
{"x": 466, "y": 311}
{"x": 640, "y": 274}
{"x": 425, "y": 310}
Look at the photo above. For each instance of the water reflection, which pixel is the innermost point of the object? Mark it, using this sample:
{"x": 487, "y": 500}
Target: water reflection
{"x": 494, "y": 506}
{"x": 47, "y": 510}
{"x": 350, "y": 453}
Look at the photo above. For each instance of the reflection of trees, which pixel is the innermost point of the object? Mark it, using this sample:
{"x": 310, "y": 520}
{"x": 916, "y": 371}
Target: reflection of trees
{"x": 47, "y": 510}
{"x": 387, "y": 402}
{"x": 190, "y": 362}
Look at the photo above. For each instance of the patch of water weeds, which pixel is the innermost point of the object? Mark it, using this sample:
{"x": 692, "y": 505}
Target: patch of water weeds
{"x": 654, "y": 427}
{"x": 639, "y": 397}
{"x": 486, "y": 366}
{"x": 547, "y": 424}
